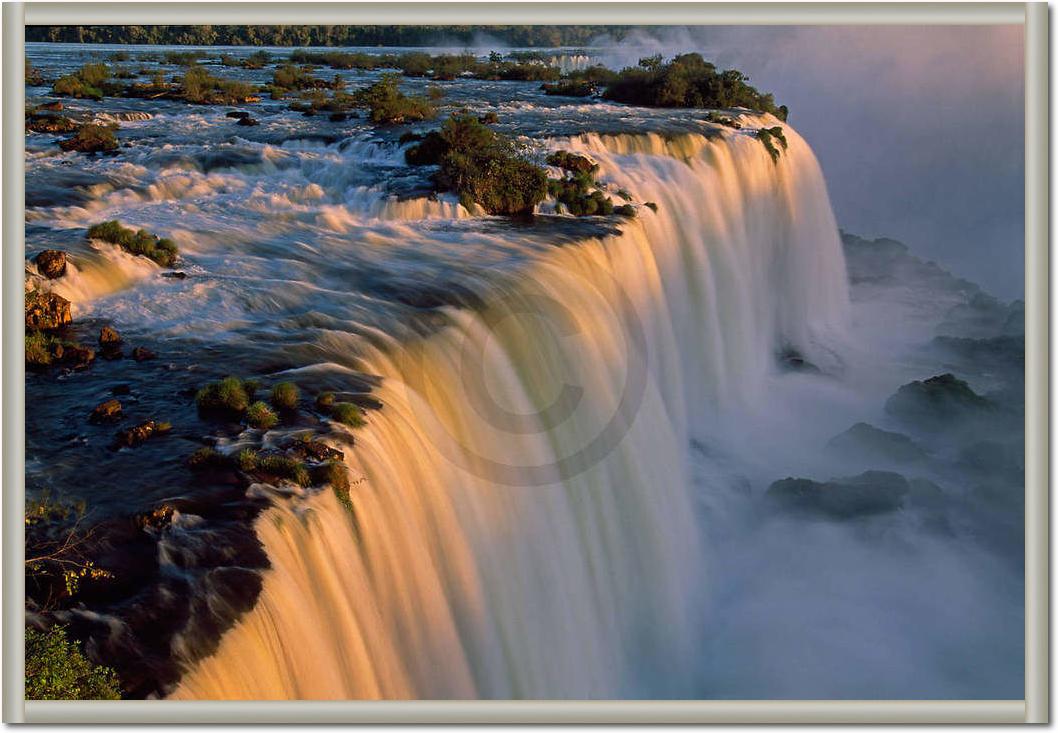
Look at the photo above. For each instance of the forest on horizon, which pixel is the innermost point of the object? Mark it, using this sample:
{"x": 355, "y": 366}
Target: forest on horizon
{"x": 544, "y": 36}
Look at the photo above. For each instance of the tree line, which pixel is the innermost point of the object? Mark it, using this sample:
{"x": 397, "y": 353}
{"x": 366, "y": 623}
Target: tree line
{"x": 545, "y": 36}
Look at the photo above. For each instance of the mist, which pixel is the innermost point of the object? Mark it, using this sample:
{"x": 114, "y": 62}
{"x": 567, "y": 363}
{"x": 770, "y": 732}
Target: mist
{"x": 920, "y": 130}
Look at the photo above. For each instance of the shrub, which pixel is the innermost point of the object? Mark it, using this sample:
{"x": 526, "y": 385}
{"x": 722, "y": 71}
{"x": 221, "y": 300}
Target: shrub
{"x": 246, "y": 459}
{"x": 625, "y": 210}
{"x": 198, "y": 86}
{"x": 575, "y": 194}
{"x": 285, "y": 396}
{"x": 568, "y": 88}
{"x": 88, "y": 82}
{"x": 230, "y": 397}
{"x": 56, "y": 669}
{"x": 480, "y": 165}
{"x": 205, "y": 458}
{"x": 687, "y": 81}
{"x": 92, "y": 139}
{"x": 162, "y": 251}
{"x": 335, "y": 475}
{"x": 283, "y": 467}
{"x": 388, "y": 105}
{"x": 325, "y": 401}
{"x": 348, "y": 414}
{"x": 572, "y": 162}
{"x": 39, "y": 347}
{"x": 260, "y": 416}
{"x": 289, "y": 76}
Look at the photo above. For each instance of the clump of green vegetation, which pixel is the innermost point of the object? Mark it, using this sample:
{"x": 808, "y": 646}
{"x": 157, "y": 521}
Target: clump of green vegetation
{"x": 481, "y": 166}
{"x": 162, "y": 251}
{"x": 687, "y": 81}
{"x": 388, "y": 105}
{"x": 569, "y": 88}
{"x": 292, "y": 77}
{"x": 260, "y": 416}
{"x": 205, "y": 458}
{"x": 56, "y": 669}
{"x": 572, "y": 162}
{"x": 768, "y": 136}
{"x": 230, "y": 397}
{"x": 198, "y": 86}
{"x": 183, "y": 58}
{"x": 283, "y": 467}
{"x": 625, "y": 210}
{"x": 91, "y": 81}
{"x": 40, "y": 349}
{"x": 256, "y": 60}
{"x": 92, "y": 138}
{"x": 285, "y": 396}
{"x": 576, "y": 194}
{"x": 325, "y": 401}
{"x": 246, "y": 459}
{"x": 335, "y": 475}
{"x": 348, "y": 414}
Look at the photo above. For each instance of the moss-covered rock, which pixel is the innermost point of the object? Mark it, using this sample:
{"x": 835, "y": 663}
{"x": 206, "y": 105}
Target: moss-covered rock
{"x": 139, "y": 434}
{"x": 106, "y": 412}
{"x": 348, "y": 414}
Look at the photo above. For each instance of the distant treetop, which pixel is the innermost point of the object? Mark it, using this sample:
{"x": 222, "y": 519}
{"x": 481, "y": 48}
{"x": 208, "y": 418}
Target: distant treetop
{"x": 544, "y": 36}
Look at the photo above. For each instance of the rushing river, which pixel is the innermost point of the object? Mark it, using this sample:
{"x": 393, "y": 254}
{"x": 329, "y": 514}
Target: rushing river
{"x": 560, "y": 488}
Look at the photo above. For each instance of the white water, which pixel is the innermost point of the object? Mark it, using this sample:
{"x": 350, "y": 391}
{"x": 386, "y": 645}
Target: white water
{"x": 524, "y": 525}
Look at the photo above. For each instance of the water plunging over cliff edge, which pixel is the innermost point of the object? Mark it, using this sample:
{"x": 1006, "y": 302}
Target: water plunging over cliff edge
{"x": 522, "y": 522}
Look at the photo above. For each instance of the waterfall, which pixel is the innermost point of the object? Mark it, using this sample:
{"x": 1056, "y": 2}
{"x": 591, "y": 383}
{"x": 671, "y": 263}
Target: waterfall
{"x": 522, "y": 524}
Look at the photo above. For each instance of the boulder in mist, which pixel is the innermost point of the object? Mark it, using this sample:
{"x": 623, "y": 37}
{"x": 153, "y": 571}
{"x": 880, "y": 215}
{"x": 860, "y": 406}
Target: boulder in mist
{"x": 870, "y": 493}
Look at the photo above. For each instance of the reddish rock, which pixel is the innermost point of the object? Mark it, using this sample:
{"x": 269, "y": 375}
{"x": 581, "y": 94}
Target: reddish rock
{"x": 46, "y": 311}
{"x": 51, "y": 263}
{"x": 140, "y": 434}
{"x": 142, "y": 353}
{"x": 109, "y": 411}
{"x": 109, "y": 337}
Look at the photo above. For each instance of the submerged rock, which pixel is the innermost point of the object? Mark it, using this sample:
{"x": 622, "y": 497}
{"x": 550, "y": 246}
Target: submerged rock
{"x": 142, "y": 353}
{"x": 864, "y": 441}
{"x": 937, "y": 401}
{"x": 140, "y": 434}
{"x": 51, "y": 263}
{"x": 871, "y": 492}
{"x": 46, "y": 311}
{"x": 109, "y": 411}
{"x": 247, "y": 121}
{"x": 109, "y": 337}
{"x": 237, "y": 114}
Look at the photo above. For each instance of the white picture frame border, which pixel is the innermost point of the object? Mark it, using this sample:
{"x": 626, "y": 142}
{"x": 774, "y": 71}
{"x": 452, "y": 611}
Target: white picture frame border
{"x": 1033, "y": 709}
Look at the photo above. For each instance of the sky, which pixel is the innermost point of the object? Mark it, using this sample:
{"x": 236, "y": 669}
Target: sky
{"x": 919, "y": 129}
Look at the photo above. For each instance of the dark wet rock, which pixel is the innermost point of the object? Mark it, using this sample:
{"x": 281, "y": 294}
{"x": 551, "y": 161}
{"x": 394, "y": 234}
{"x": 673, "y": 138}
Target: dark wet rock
{"x": 106, "y": 412}
{"x": 175, "y": 275}
{"x": 937, "y": 401}
{"x": 74, "y": 356}
{"x": 91, "y": 139}
{"x": 158, "y": 517}
{"x": 237, "y": 114}
{"x": 55, "y": 106}
{"x": 140, "y": 434}
{"x": 792, "y": 360}
{"x": 247, "y": 121}
{"x": 121, "y": 389}
{"x": 46, "y": 311}
{"x": 109, "y": 336}
{"x": 338, "y": 116}
{"x": 51, "y": 263}
{"x": 142, "y": 353}
{"x": 51, "y": 124}
{"x": 309, "y": 449}
{"x": 489, "y": 118}
{"x": 870, "y": 493}
{"x": 866, "y": 442}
